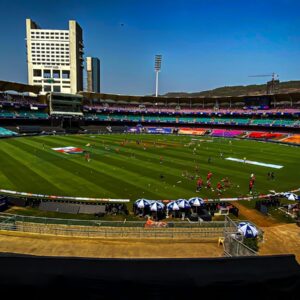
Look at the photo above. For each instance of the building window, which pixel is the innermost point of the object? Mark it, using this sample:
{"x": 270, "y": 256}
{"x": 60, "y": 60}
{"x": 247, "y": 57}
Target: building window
{"x": 37, "y": 72}
{"x": 47, "y": 74}
{"x": 56, "y": 89}
{"x": 65, "y": 74}
{"x": 56, "y": 74}
{"x": 47, "y": 88}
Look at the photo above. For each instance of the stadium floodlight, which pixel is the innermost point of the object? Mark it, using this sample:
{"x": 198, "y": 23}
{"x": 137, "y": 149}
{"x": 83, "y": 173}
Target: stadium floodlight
{"x": 157, "y": 68}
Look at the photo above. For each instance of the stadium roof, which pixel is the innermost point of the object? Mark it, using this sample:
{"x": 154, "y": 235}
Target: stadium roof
{"x": 18, "y": 87}
{"x": 199, "y": 99}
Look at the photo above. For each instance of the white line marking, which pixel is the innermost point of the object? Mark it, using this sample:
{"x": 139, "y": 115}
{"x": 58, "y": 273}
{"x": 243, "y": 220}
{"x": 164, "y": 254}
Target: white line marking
{"x": 254, "y": 163}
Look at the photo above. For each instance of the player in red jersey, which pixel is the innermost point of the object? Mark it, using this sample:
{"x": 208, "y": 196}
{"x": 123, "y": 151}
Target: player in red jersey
{"x": 199, "y": 184}
{"x": 251, "y": 182}
{"x": 87, "y": 156}
{"x": 219, "y": 187}
{"x": 208, "y": 184}
{"x": 209, "y": 175}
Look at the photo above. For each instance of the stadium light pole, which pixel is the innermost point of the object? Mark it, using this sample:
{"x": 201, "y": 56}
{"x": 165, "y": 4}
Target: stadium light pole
{"x": 157, "y": 68}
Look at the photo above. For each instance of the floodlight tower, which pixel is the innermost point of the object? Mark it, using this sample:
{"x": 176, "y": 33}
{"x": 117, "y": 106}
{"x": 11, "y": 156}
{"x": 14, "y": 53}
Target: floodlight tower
{"x": 157, "y": 69}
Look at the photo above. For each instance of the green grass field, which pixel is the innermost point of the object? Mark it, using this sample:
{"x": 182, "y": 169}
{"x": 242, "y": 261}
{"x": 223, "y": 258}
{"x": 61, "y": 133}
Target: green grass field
{"x": 133, "y": 172}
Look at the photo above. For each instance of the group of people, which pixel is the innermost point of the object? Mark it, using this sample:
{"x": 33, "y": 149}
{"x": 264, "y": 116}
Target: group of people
{"x": 224, "y": 183}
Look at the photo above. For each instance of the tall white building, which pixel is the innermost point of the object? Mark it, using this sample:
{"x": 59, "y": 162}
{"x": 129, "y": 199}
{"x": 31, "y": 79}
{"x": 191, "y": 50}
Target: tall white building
{"x": 55, "y": 58}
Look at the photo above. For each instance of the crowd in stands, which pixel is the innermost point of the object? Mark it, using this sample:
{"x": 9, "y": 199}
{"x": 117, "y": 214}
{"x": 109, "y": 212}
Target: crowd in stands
{"x": 198, "y": 110}
{"x": 138, "y": 118}
{"x": 29, "y": 114}
{"x": 16, "y": 106}
{"x": 19, "y": 100}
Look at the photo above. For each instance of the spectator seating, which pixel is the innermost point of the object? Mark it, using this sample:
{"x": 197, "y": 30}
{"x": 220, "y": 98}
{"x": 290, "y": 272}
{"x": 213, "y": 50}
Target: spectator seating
{"x": 6, "y": 132}
{"x": 226, "y": 133}
{"x": 295, "y": 139}
{"x": 194, "y": 131}
{"x": 194, "y": 109}
{"x": 7, "y": 114}
{"x": 264, "y": 135}
{"x": 179, "y": 119}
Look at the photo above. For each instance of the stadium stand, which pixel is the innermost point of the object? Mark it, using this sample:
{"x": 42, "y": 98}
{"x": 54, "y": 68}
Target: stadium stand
{"x": 6, "y": 132}
{"x": 294, "y": 139}
{"x": 194, "y": 131}
{"x": 264, "y": 135}
{"x": 237, "y": 120}
{"x": 226, "y": 133}
{"x": 105, "y": 113}
{"x": 5, "y": 114}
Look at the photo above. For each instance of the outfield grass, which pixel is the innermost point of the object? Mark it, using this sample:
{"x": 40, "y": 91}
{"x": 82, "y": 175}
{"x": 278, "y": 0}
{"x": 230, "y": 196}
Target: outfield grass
{"x": 134, "y": 173}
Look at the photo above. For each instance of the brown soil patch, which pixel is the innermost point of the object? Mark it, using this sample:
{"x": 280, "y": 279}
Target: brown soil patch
{"x": 255, "y": 216}
{"x": 282, "y": 239}
{"x": 103, "y": 248}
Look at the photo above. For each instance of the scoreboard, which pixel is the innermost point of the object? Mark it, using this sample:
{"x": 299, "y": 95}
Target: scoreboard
{"x": 257, "y": 102}
{"x": 65, "y": 104}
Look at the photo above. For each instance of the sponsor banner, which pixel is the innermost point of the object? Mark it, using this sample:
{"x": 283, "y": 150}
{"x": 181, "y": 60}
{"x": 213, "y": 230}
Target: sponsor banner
{"x": 61, "y": 197}
{"x": 248, "y": 198}
{"x": 159, "y": 130}
{"x": 134, "y": 130}
{"x": 193, "y": 131}
{"x": 69, "y": 150}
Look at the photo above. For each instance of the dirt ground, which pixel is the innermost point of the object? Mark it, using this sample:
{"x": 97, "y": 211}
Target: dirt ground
{"x": 255, "y": 216}
{"x": 281, "y": 239}
{"x": 103, "y": 248}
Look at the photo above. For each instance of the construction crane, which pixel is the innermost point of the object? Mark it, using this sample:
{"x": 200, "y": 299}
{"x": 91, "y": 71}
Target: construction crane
{"x": 274, "y": 76}
{"x": 273, "y": 84}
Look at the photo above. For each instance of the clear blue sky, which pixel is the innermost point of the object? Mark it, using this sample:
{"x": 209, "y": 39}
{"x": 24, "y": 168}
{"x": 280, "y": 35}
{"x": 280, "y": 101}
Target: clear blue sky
{"x": 204, "y": 43}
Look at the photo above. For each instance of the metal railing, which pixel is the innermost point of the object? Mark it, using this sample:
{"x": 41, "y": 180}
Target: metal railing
{"x": 232, "y": 245}
{"x": 131, "y": 229}
{"x": 99, "y": 222}
{"x": 113, "y": 232}
{"x": 109, "y": 229}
